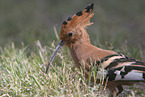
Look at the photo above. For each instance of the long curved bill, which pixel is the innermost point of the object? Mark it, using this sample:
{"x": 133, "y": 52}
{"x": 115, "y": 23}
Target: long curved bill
{"x": 59, "y": 46}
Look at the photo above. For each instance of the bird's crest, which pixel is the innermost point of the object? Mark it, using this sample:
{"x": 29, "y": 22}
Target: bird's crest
{"x": 79, "y": 20}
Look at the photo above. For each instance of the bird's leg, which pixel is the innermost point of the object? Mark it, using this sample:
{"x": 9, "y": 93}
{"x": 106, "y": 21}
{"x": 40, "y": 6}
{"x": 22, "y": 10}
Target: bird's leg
{"x": 120, "y": 88}
{"x": 112, "y": 87}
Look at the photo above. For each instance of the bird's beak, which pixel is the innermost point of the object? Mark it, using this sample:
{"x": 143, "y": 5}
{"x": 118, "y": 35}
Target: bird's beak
{"x": 59, "y": 46}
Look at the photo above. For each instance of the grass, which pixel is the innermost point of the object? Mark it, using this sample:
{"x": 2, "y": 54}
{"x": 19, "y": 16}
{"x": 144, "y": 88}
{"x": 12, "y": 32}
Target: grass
{"x": 23, "y": 74}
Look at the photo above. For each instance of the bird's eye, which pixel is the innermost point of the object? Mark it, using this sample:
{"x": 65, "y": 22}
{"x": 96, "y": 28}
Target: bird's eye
{"x": 70, "y": 34}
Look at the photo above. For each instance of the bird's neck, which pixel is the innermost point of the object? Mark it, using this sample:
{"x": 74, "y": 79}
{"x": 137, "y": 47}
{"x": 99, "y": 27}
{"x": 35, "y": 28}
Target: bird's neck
{"x": 78, "y": 50}
{"x": 82, "y": 51}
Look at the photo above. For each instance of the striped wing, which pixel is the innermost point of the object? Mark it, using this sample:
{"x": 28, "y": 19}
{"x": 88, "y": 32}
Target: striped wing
{"x": 120, "y": 67}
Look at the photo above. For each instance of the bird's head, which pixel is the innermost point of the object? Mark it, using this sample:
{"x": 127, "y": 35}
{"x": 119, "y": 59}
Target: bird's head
{"x": 73, "y": 29}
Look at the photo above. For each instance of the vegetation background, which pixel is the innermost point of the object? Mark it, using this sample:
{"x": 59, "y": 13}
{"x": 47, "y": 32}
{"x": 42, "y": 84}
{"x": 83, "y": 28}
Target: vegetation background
{"x": 118, "y": 25}
{"x": 114, "y": 21}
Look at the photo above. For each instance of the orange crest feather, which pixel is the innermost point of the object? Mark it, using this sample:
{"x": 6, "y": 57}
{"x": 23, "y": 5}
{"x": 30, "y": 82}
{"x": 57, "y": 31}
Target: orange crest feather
{"x": 80, "y": 19}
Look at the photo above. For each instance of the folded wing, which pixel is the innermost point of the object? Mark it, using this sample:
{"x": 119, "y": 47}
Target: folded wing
{"x": 123, "y": 68}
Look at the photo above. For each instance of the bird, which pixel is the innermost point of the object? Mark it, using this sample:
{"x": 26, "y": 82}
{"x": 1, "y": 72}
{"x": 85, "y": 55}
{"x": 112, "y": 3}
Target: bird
{"x": 119, "y": 69}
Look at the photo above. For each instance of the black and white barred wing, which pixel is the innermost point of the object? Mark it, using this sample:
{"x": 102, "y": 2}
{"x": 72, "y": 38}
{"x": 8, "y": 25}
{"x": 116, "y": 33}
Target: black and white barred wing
{"x": 133, "y": 72}
{"x": 120, "y": 67}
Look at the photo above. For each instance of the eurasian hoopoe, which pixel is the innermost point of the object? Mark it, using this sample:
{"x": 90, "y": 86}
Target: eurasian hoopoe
{"x": 121, "y": 70}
